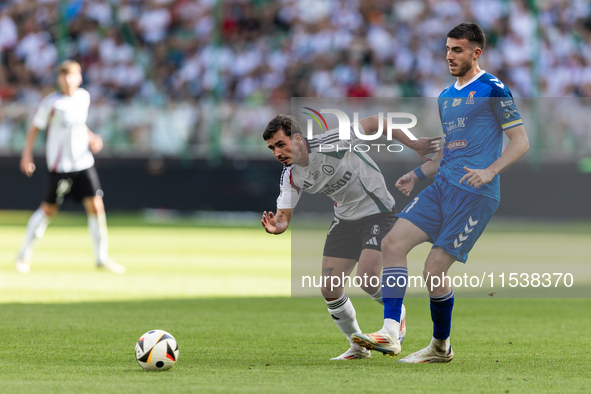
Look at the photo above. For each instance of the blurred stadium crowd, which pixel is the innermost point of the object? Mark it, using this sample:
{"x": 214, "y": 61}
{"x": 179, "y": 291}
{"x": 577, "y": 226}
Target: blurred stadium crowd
{"x": 156, "y": 69}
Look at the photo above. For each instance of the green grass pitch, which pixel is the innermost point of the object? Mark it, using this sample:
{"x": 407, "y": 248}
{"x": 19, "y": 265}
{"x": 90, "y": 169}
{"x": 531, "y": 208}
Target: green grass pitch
{"x": 224, "y": 295}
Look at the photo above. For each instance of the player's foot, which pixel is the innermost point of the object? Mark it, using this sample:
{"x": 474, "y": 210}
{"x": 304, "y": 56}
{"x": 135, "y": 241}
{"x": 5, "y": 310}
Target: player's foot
{"x": 378, "y": 341}
{"x": 112, "y": 266}
{"x": 382, "y": 341}
{"x": 430, "y": 354}
{"x": 354, "y": 353}
{"x": 22, "y": 265}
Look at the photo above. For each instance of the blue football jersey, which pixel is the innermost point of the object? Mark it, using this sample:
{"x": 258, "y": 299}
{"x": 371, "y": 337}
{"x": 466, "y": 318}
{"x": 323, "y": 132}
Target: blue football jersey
{"x": 474, "y": 117}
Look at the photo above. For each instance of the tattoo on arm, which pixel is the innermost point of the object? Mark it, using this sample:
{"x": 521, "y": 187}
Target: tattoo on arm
{"x": 327, "y": 271}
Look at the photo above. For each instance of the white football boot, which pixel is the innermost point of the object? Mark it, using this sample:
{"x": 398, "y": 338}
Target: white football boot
{"x": 354, "y": 353}
{"x": 112, "y": 266}
{"x": 22, "y": 265}
{"x": 431, "y": 354}
{"x": 383, "y": 342}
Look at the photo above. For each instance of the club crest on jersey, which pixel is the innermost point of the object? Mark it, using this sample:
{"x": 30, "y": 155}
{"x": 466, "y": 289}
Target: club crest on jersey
{"x": 456, "y": 102}
{"x": 316, "y": 175}
{"x": 328, "y": 170}
{"x": 456, "y": 144}
{"x": 375, "y": 230}
{"x": 470, "y": 99}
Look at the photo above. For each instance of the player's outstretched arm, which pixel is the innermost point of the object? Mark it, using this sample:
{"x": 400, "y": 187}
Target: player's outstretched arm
{"x": 518, "y": 146}
{"x": 276, "y": 223}
{"x": 407, "y": 181}
{"x": 423, "y": 145}
{"x": 27, "y": 165}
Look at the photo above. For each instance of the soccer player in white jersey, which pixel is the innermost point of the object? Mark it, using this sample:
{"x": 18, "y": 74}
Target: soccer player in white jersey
{"x": 69, "y": 149}
{"x": 364, "y": 209}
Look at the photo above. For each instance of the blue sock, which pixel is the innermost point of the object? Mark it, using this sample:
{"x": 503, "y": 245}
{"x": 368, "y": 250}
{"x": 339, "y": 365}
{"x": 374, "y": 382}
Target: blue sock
{"x": 392, "y": 294}
{"x": 441, "y": 307}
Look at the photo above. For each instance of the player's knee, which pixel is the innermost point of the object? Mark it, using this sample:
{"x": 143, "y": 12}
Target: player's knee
{"x": 329, "y": 292}
{"x": 49, "y": 209}
{"x": 393, "y": 248}
{"x": 94, "y": 205}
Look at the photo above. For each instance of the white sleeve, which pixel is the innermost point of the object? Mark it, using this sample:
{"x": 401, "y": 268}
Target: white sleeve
{"x": 289, "y": 194}
{"x": 42, "y": 115}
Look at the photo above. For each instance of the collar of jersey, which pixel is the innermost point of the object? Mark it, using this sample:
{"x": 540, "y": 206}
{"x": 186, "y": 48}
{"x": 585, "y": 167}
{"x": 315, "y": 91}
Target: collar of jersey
{"x": 470, "y": 81}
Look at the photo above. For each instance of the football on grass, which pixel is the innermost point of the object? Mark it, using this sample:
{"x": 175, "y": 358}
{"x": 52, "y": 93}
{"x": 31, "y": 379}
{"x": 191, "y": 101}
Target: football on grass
{"x": 156, "y": 350}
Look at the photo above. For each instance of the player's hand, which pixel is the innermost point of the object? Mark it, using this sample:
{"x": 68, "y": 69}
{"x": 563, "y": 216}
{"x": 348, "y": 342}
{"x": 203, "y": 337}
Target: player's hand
{"x": 269, "y": 222}
{"x": 405, "y": 184}
{"x": 425, "y": 146}
{"x": 477, "y": 178}
{"x": 95, "y": 143}
{"x": 27, "y": 165}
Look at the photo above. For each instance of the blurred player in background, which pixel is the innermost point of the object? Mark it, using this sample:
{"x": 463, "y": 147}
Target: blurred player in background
{"x": 69, "y": 149}
{"x": 364, "y": 209}
{"x": 452, "y": 212}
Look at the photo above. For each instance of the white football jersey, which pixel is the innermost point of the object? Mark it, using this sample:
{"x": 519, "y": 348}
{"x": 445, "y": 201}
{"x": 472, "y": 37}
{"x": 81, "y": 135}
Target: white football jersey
{"x": 352, "y": 179}
{"x": 64, "y": 119}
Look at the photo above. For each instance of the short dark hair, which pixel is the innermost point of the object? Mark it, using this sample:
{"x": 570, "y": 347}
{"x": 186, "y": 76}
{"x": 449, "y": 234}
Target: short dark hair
{"x": 68, "y": 66}
{"x": 469, "y": 31}
{"x": 287, "y": 123}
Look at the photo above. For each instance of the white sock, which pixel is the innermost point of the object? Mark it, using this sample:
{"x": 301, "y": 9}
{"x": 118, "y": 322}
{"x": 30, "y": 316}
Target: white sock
{"x": 97, "y": 226}
{"x": 35, "y": 230}
{"x": 343, "y": 314}
{"x": 377, "y": 296}
{"x": 391, "y": 327}
{"x": 441, "y": 345}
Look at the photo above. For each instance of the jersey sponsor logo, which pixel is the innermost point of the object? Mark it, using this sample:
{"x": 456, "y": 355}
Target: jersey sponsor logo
{"x": 508, "y": 112}
{"x": 456, "y": 102}
{"x": 307, "y": 185}
{"x": 375, "y": 230}
{"x": 316, "y": 175}
{"x": 445, "y": 104}
{"x": 454, "y": 125}
{"x": 337, "y": 185}
{"x": 456, "y": 144}
{"x": 328, "y": 170}
{"x": 499, "y": 84}
{"x": 506, "y": 103}
{"x": 470, "y": 99}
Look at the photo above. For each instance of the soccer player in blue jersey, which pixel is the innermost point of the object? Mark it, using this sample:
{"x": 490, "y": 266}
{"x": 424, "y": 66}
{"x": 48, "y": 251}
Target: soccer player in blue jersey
{"x": 452, "y": 212}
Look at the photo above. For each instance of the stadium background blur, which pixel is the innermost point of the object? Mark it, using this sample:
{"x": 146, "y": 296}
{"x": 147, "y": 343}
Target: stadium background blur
{"x": 181, "y": 87}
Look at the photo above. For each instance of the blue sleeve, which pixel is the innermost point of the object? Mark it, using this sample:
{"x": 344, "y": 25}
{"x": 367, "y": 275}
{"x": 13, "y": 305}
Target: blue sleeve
{"x": 504, "y": 108}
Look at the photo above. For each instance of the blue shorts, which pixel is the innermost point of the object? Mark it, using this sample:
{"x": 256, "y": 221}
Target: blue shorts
{"x": 452, "y": 217}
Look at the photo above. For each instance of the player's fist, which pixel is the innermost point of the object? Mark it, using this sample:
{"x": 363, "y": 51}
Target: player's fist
{"x": 27, "y": 165}
{"x": 95, "y": 143}
{"x": 405, "y": 184}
